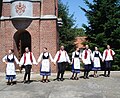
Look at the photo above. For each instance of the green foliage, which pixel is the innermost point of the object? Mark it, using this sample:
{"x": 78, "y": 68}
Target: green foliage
{"x": 104, "y": 26}
{"x": 79, "y": 32}
{"x": 68, "y": 31}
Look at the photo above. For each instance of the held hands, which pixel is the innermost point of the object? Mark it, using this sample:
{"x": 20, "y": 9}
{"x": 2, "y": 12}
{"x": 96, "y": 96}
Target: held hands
{"x": 102, "y": 60}
{"x": 54, "y": 63}
{"x": 82, "y": 61}
{"x": 36, "y": 64}
{"x": 20, "y": 65}
{"x": 6, "y": 62}
{"x": 71, "y": 63}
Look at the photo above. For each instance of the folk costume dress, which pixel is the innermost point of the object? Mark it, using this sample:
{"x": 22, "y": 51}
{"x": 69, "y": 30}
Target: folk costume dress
{"x": 76, "y": 62}
{"x": 45, "y": 68}
{"x": 96, "y": 60}
{"x": 10, "y": 67}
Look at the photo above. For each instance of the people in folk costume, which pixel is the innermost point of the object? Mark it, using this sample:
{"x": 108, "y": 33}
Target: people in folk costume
{"x": 108, "y": 55}
{"x": 9, "y": 60}
{"x": 76, "y": 57}
{"x": 62, "y": 59}
{"x": 96, "y": 61}
{"x": 27, "y": 60}
{"x": 86, "y": 58}
{"x": 45, "y": 68}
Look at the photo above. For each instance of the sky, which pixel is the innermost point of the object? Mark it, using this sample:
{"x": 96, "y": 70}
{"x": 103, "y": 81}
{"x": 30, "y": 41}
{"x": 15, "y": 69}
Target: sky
{"x": 74, "y": 8}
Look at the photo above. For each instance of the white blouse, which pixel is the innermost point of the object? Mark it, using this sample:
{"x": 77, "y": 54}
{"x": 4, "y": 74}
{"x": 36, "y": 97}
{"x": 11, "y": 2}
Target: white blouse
{"x": 45, "y": 54}
{"x": 10, "y": 57}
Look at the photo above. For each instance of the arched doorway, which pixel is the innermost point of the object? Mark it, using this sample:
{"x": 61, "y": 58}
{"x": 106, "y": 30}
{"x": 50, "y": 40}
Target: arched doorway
{"x": 22, "y": 39}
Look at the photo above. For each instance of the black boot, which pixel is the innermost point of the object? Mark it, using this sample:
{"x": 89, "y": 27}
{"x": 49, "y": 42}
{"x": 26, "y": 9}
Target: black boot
{"x": 105, "y": 73}
{"x": 8, "y": 83}
{"x": 58, "y": 75}
{"x": 108, "y": 73}
{"x": 62, "y": 77}
{"x": 85, "y": 75}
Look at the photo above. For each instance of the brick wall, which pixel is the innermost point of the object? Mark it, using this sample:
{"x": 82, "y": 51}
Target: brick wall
{"x": 48, "y": 37}
{"x": 48, "y": 7}
{"x": 43, "y": 32}
{"x": 6, "y": 9}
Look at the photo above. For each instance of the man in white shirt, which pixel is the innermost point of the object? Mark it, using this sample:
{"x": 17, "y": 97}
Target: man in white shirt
{"x": 27, "y": 60}
{"x": 86, "y": 58}
{"x": 62, "y": 59}
{"x": 108, "y": 55}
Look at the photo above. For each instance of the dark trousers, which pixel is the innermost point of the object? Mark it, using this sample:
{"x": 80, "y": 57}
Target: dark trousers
{"x": 108, "y": 66}
{"x": 61, "y": 69}
{"x": 87, "y": 69}
{"x": 27, "y": 72}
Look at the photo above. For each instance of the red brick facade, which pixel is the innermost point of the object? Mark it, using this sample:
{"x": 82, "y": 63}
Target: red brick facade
{"x": 40, "y": 32}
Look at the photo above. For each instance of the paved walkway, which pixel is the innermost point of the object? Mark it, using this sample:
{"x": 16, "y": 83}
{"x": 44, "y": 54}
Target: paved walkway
{"x": 101, "y": 87}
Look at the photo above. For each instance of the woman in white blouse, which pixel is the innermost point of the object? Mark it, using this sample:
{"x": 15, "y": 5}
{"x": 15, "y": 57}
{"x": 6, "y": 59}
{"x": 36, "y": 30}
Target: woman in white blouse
{"x": 76, "y": 57}
{"x": 9, "y": 60}
{"x": 45, "y": 68}
{"x": 96, "y": 61}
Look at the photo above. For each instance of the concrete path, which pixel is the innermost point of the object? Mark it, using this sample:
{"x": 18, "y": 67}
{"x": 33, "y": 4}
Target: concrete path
{"x": 101, "y": 87}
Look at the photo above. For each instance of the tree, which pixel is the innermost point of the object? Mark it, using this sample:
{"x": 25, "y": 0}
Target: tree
{"x": 104, "y": 25}
{"x": 66, "y": 32}
{"x": 79, "y": 32}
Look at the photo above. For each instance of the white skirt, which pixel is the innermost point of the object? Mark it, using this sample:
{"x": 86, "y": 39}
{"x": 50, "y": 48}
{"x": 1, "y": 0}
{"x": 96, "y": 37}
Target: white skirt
{"x": 96, "y": 62}
{"x": 10, "y": 69}
{"x": 45, "y": 65}
{"x": 76, "y": 63}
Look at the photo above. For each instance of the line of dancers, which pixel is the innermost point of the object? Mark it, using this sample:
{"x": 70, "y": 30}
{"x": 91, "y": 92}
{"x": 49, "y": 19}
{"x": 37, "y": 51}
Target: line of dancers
{"x": 61, "y": 59}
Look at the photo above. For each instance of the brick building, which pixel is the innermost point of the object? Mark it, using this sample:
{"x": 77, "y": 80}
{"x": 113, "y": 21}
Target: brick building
{"x": 31, "y": 23}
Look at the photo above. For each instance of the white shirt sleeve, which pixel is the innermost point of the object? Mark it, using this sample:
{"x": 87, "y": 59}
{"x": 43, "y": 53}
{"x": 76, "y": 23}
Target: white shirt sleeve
{"x": 56, "y": 56}
{"x": 51, "y": 58}
{"x": 22, "y": 60}
{"x": 4, "y": 58}
{"x": 73, "y": 55}
{"x": 16, "y": 60}
{"x": 103, "y": 55}
{"x": 80, "y": 56}
{"x": 67, "y": 57}
{"x": 113, "y": 52}
{"x": 34, "y": 60}
{"x": 93, "y": 55}
{"x": 100, "y": 55}
{"x": 83, "y": 54}
{"x": 40, "y": 58}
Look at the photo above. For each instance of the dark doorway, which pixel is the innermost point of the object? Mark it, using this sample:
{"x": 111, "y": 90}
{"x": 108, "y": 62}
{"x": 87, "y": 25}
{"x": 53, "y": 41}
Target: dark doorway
{"x": 22, "y": 39}
{"x": 1, "y": 3}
